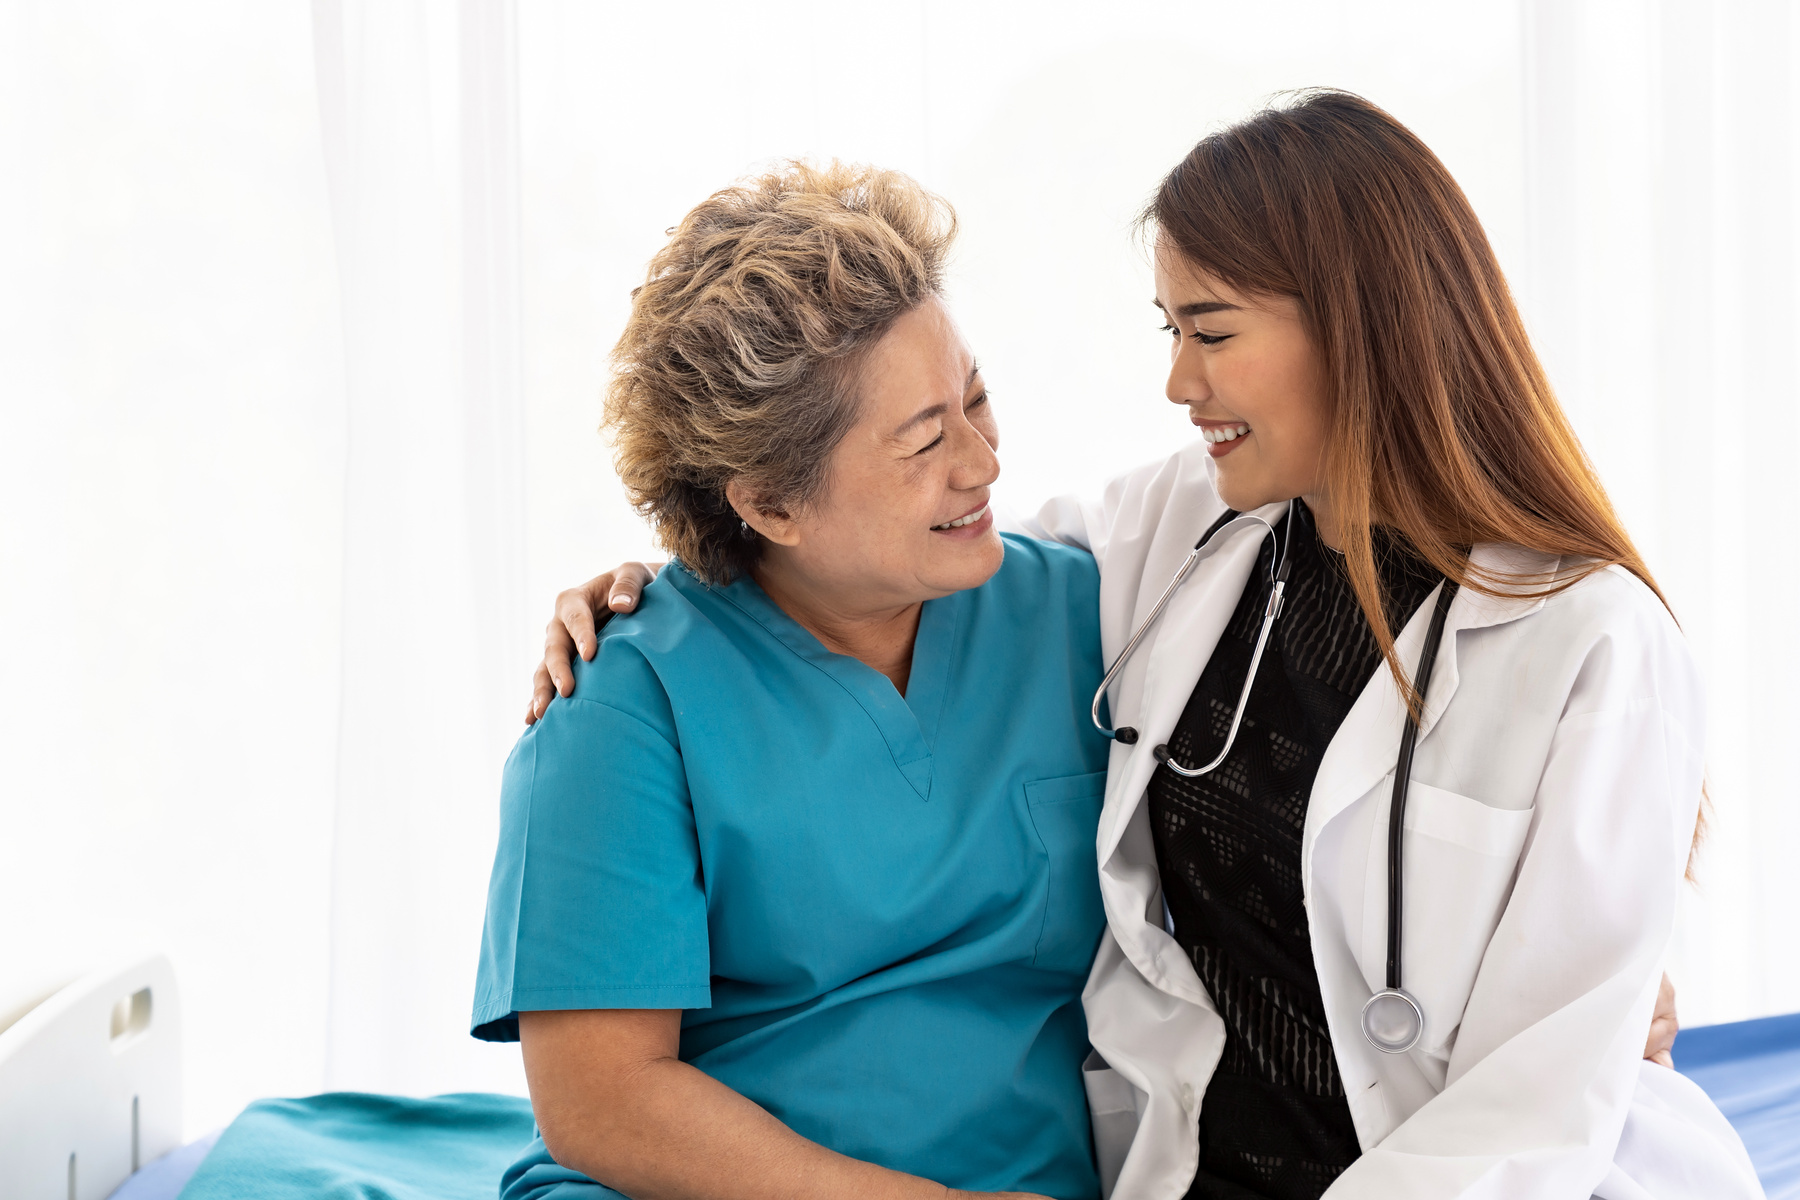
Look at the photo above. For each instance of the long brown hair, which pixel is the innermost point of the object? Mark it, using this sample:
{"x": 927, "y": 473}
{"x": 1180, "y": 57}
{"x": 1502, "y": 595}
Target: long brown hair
{"x": 1444, "y": 426}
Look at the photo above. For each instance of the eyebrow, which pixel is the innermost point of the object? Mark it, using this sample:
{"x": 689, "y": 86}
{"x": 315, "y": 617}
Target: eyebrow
{"x": 1200, "y": 309}
{"x": 936, "y": 410}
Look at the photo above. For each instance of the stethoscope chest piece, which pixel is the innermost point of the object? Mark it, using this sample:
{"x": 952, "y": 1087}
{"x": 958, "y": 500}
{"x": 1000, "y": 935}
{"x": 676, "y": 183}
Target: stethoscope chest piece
{"x": 1393, "y": 1021}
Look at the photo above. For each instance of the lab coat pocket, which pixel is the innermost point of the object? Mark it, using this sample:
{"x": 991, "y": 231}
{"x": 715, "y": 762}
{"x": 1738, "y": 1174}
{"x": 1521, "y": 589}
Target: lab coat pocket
{"x": 1065, "y": 814}
{"x": 1113, "y": 1110}
{"x": 1460, "y": 857}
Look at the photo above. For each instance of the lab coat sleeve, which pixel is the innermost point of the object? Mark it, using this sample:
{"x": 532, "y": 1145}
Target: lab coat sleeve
{"x": 1546, "y": 1061}
{"x": 1073, "y": 520}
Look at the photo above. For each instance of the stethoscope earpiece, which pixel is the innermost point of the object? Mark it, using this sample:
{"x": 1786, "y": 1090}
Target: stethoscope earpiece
{"x": 1125, "y": 735}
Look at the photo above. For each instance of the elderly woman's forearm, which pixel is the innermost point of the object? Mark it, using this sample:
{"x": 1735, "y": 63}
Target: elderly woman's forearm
{"x": 668, "y": 1131}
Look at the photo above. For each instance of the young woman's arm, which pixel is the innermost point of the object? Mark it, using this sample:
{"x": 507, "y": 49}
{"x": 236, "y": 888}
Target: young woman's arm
{"x": 614, "y": 1102}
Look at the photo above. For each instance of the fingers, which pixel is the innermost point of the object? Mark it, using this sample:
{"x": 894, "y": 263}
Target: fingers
{"x": 574, "y": 629}
{"x": 541, "y": 692}
{"x": 628, "y": 583}
{"x": 575, "y": 613}
{"x": 1661, "y": 1044}
{"x": 584, "y": 609}
{"x": 557, "y": 647}
{"x": 579, "y": 614}
{"x": 1663, "y": 1026}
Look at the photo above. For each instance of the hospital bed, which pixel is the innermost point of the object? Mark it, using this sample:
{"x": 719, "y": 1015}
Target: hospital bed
{"x": 90, "y": 1083}
{"x": 90, "y": 1104}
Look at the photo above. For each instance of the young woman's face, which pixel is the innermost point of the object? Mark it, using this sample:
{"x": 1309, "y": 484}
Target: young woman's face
{"x": 1251, "y": 380}
{"x": 919, "y": 458}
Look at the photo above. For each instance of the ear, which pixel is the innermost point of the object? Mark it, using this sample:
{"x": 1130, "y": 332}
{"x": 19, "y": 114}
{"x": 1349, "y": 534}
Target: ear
{"x": 772, "y": 524}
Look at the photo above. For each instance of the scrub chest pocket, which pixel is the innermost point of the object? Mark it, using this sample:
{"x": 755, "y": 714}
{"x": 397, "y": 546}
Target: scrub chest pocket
{"x": 1065, "y": 813}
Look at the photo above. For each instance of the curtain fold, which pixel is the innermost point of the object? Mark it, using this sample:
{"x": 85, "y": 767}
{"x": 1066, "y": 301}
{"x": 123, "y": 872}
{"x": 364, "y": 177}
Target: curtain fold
{"x": 419, "y": 130}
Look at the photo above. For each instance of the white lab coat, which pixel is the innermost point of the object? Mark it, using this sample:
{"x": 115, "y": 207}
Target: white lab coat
{"x": 1554, "y": 792}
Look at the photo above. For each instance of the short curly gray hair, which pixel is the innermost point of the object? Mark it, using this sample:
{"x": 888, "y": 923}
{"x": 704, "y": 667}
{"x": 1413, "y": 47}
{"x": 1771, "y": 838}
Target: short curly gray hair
{"x": 739, "y": 356}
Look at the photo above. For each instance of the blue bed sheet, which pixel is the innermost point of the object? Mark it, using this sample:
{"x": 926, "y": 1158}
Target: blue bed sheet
{"x": 1751, "y": 1069}
{"x": 352, "y": 1146}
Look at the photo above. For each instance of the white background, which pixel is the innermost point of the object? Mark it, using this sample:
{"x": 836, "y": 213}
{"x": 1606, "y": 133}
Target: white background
{"x": 1047, "y": 126}
{"x": 303, "y": 320}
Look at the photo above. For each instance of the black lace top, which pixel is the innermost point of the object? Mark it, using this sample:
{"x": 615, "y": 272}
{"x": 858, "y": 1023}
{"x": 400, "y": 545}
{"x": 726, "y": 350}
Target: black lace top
{"x": 1274, "y": 1122}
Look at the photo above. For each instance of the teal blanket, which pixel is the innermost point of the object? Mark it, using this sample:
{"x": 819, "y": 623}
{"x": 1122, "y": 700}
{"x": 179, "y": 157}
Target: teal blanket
{"x": 353, "y": 1146}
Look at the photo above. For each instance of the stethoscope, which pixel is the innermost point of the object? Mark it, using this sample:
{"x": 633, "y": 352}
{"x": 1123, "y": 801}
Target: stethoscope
{"x": 1393, "y": 1020}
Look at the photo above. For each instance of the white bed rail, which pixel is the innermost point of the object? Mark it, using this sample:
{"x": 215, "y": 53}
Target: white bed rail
{"x": 90, "y": 1084}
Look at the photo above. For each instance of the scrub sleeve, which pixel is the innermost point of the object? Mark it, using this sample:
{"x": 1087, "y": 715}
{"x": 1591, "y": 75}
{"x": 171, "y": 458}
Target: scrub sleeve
{"x": 612, "y": 913}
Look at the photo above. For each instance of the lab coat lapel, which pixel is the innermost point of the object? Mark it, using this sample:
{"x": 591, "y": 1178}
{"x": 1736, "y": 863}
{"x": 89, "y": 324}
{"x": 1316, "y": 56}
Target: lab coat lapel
{"x": 1177, "y": 651}
{"x": 1367, "y": 744}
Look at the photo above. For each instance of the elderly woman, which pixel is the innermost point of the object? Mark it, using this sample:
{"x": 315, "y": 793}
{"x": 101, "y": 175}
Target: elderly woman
{"x": 796, "y": 897}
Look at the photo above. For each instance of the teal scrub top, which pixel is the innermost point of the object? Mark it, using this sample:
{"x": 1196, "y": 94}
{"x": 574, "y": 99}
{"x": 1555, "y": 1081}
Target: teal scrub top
{"x": 877, "y": 912}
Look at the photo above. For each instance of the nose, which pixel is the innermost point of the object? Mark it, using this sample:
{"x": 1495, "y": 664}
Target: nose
{"x": 1187, "y": 374}
{"x": 977, "y": 464}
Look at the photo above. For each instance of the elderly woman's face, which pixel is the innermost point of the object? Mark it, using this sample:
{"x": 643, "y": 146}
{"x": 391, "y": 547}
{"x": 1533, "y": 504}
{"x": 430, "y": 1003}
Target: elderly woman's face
{"x": 904, "y": 513}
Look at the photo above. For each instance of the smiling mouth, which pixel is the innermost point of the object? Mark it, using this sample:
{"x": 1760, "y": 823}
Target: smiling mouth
{"x": 967, "y": 519}
{"x": 1223, "y": 433}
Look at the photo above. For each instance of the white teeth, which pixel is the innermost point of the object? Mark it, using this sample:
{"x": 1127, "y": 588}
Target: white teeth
{"x": 1223, "y": 433}
{"x": 961, "y": 521}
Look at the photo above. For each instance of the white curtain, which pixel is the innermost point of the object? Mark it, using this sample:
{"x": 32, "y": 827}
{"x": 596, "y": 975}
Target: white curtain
{"x": 262, "y": 634}
{"x": 171, "y": 504}
{"x": 1663, "y": 178}
{"x": 303, "y": 320}
{"x": 420, "y": 130}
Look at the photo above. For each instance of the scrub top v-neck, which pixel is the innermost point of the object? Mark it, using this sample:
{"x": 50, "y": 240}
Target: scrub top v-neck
{"x": 877, "y": 911}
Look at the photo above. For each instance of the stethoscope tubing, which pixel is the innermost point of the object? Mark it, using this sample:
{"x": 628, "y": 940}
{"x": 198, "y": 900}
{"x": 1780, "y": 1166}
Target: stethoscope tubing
{"x": 1271, "y": 610}
{"x": 1203, "y": 549}
{"x": 1409, "y": 739}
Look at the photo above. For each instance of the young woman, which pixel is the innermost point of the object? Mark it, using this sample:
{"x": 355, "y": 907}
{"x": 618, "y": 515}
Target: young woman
{"x": 1276, "y": 1012}
{"x": 1342, "y": 336}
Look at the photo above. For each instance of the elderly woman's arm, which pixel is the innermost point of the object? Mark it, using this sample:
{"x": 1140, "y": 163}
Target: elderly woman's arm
{"x": 614, "y": 1102}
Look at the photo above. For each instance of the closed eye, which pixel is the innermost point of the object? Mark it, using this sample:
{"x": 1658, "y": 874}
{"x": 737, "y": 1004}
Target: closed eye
{"x": 977, "y": 401}
{"x": 1205, "y": 339}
